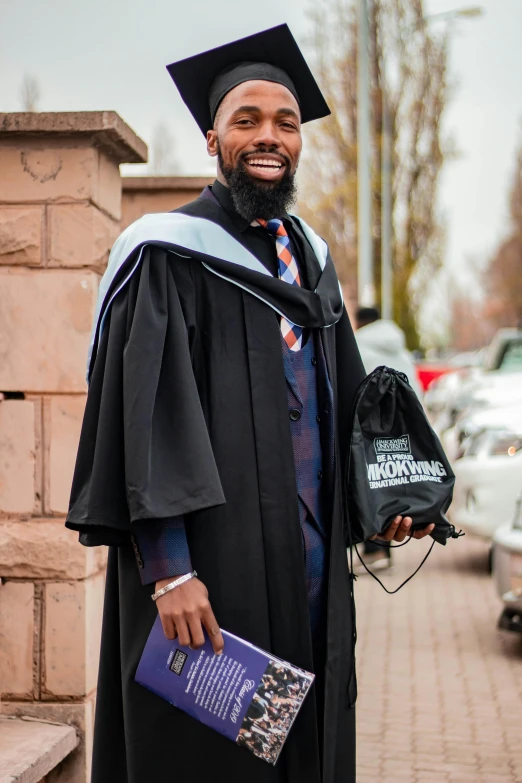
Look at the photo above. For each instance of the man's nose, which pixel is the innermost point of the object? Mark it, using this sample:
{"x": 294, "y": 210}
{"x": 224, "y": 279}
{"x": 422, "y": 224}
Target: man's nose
{"x": 267, "y": 136}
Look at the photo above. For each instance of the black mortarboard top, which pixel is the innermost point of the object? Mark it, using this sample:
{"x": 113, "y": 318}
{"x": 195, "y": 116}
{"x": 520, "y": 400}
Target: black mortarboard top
{"x": 204, "y": 79}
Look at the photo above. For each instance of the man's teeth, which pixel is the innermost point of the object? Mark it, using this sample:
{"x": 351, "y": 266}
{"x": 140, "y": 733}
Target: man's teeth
{"x": 271, "y": 164}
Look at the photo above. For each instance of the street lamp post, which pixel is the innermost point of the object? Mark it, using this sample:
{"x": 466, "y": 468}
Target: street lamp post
{"x": 386, "y": 211}
{"x": 366, "y": 289}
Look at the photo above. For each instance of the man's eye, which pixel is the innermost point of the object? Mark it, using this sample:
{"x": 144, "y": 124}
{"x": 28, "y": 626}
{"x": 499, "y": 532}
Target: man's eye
{"x": 244, "y": 122}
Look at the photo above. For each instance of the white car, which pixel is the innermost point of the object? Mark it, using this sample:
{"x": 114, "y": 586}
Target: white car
{"x": 504, "y": 353}
{"x": 497, "y": 381}
{"x": 488, "y": 469}
{"x": 507, "y": 570}
{"x": 442, "y": 399}
{"x": 482, "y": 405}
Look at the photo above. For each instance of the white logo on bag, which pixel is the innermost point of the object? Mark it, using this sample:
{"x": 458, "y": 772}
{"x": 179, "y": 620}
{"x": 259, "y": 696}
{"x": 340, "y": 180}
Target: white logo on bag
{"x": 392, "y": 445}
{"x": 396, "y": 465}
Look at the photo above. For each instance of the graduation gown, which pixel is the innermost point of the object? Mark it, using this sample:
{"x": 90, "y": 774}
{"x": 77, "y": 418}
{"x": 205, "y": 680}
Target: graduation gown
{"x": 187, "y": 414}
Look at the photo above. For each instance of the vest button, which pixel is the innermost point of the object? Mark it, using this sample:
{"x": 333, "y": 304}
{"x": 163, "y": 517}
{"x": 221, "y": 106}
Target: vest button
{"x": 320, "y": 475}
{"x": 318, "y": 419}
{"x": 295, "y": 414}
{"x": 314, "y": 361}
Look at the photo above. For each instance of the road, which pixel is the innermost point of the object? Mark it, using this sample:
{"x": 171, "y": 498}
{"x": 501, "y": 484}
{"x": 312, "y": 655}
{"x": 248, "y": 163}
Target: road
{"x": 440, "y": 688}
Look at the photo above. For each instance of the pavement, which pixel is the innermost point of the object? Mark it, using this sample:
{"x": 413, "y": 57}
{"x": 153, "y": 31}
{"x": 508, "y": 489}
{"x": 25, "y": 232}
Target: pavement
{"x": 440, "y": 687}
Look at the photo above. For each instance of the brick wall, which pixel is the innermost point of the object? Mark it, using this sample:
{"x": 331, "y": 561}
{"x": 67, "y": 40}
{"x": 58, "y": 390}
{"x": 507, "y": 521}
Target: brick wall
{"x": 60, "y": 211}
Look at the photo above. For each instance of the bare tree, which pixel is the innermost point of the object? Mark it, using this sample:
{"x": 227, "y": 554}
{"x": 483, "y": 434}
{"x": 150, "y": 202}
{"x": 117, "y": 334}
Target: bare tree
{"x": 29, "y": 93}
{"x": 504, "y": 272}
{"x": 408, "y": 66}
{"x": 163, "y": 155}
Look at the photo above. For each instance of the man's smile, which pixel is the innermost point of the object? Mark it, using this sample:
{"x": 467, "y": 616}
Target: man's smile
{"x": 265, "y": 166}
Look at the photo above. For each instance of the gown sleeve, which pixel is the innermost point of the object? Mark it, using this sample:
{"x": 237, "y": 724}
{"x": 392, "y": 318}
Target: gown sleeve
{"x": 144, "y": 451}
{"x": 161, "y": 549}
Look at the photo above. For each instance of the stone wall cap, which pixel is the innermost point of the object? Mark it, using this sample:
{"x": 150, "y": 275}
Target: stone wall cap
{"x": 107, "y": 129}
{"x": 31, "y": 749}
{"x": 165, "y": 183}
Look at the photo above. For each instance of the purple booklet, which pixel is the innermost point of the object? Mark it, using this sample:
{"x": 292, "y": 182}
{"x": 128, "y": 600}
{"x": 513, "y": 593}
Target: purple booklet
{"x": 247, "y": 694}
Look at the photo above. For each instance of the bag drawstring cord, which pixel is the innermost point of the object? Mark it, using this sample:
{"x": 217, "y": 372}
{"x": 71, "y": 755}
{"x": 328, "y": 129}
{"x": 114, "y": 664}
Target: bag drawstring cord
{"x": 453, "y": 534}
{"x": 392, "y": 592}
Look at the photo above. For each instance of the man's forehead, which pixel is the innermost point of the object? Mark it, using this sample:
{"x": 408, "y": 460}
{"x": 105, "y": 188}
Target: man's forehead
{"x": 256, "y": 93}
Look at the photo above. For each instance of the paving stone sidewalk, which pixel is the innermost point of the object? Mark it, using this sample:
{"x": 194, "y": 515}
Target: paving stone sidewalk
{"x": 440, "y": 688}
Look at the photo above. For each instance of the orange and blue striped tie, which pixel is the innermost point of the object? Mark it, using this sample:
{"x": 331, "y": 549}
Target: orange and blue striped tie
{"x": 289, "y": 272}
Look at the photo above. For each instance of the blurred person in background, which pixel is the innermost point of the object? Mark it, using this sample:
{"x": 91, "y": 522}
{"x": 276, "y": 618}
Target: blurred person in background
{"x": 381, "y": 342}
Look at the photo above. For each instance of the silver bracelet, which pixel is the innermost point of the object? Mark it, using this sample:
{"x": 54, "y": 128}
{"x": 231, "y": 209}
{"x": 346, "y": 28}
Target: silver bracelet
{"x": 172, "y": 585}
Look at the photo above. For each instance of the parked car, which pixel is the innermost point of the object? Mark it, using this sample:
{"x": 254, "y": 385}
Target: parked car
{"x": 480, "y": 404}
{"x": 507, "y": 570}
{"x": 448, "y": 396}
{"x": 432, "y": 373}
{"x": 429, "y": 372}
{"x": 488, "y": 469}
{"x": 504, "y": 353}
{"x": 488, "y": 380}
{"x": 477, "y": 412}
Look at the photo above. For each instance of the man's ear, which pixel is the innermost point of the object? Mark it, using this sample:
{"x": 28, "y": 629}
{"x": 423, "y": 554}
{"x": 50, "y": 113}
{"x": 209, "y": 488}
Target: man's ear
{"x": 212, "y": 143}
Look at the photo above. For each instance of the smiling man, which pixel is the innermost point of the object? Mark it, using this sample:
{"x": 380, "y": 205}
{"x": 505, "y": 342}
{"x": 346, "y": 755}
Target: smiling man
{"x": 222, "y": 374}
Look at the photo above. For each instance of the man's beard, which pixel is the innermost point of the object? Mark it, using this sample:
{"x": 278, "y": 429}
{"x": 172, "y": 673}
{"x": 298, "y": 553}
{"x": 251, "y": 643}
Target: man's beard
{"x": 255, "y": 198}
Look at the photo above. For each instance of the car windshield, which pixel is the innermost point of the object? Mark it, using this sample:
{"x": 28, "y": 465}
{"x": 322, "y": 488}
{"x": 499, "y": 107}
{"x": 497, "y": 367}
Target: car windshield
{"x": 511, "y": 359}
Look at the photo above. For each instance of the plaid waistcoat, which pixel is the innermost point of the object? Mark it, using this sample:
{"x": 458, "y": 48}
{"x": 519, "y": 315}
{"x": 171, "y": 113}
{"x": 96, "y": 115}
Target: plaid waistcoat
{"x": 310, "y": 407}
{"x": 310, "y": 403}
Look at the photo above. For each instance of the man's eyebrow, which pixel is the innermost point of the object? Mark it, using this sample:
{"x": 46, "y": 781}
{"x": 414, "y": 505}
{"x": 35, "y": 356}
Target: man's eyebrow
{"x": 286, "y": 112}
{"x": 247, "y": 110}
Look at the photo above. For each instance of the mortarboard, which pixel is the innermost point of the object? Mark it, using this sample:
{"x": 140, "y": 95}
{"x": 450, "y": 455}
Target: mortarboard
{"x": 272, "y": 55}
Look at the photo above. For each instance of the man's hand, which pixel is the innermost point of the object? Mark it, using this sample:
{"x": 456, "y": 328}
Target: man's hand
{"x": 400, "y": 529}
{"x": 185, "y": 611}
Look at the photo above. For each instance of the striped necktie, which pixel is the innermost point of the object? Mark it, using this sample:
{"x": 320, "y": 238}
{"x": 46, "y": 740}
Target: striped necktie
{"x": 288, "y": 271}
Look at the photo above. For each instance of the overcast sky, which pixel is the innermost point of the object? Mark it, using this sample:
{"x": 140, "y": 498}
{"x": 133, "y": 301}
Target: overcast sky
{"x": 111, "y": 54}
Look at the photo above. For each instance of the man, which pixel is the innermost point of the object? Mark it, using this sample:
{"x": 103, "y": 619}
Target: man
{"x": 222, "y": 372}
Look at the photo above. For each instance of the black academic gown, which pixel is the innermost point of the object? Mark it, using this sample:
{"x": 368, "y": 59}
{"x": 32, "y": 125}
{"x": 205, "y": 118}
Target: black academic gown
{"x": 187, "y": 414}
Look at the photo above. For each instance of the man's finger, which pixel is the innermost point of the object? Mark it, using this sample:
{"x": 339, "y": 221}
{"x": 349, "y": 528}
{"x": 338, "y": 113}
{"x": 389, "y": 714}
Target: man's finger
{"x": 183, "y": 632}
{"x": 389, "y": 534}
{"x": 404, "y": 530}
{"x": 196, "y": 633}
{"x": 169, "y": 629}
{"x": 210, "y": 623}
{"x": 424, "y": 532}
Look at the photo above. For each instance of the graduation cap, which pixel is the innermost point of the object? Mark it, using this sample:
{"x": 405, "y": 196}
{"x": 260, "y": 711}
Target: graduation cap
{"x": 272, "y": 55}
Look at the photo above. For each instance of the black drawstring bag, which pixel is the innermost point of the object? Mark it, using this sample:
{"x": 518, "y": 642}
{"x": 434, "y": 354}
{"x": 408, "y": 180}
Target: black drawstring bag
{"x": 397, "y": 465}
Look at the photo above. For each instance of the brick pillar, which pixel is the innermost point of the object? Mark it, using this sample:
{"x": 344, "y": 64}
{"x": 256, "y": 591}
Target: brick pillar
{"x": 60, "y": 211}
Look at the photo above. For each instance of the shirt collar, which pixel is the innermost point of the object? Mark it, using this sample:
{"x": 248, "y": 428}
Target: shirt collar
{"x": 224, "y": 197}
